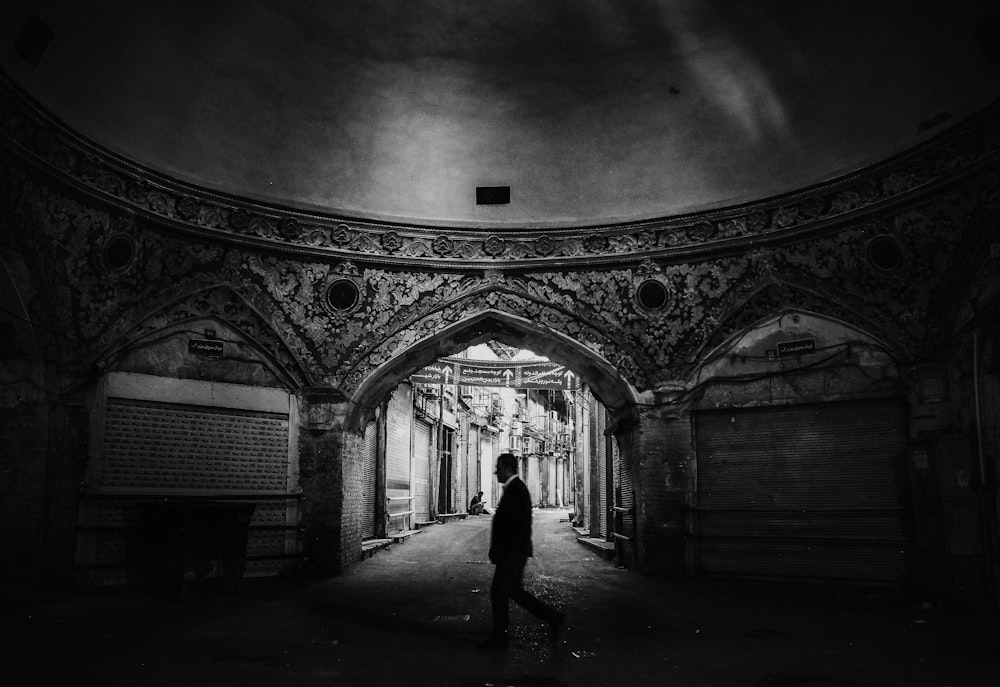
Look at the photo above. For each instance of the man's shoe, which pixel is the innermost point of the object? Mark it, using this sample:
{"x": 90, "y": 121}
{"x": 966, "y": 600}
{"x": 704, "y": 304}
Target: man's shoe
{"x": 494, "y": 642}
{"x": 556, "y": 627}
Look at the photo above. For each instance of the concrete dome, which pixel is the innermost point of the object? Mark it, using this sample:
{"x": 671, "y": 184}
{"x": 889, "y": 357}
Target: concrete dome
{"x": 591, "y": 112}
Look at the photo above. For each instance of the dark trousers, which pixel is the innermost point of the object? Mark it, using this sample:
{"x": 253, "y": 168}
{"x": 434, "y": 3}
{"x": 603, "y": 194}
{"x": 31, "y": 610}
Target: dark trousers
{"x": 506, "y": 585}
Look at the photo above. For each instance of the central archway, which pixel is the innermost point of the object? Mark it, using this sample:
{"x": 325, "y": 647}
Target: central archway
{"x": 605, "y": 381}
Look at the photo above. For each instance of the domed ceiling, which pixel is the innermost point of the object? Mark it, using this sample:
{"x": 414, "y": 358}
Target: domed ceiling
{"x": 589, "y": 111}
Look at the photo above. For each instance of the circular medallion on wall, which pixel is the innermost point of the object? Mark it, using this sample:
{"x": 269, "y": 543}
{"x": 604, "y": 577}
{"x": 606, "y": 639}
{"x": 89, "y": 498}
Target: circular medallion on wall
{"x": 342, "y": 296}
{"x": 118, "y": 253}
{"x": 652, "y": 295}
{"x": 884, "y": 253}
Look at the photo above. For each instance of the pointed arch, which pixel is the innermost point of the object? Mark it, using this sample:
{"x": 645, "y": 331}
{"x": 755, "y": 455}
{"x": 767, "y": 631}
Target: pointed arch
{"x": 221, "y": 305}
{"x": 14, "y": 309}
{"x": 771, "y": 300}
{"x": 597, "y": 336}
{"x": 605, "y": 380}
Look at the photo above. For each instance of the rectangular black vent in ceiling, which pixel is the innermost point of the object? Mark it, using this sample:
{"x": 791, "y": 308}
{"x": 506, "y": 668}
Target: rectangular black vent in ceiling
{"x": 10, "y": 347}
{"x": 492, "y": 195}
{"x": 988, "y": 37}
{"x": 33, "y": 40}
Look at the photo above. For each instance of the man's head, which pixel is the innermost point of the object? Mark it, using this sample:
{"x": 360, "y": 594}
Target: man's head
{"x": 506, "y": 466}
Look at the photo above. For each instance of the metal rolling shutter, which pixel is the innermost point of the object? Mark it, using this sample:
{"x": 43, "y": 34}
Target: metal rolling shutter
{"x": 155, "y": 449}
{"x": 489, "y": 484}
{"x": 601, "y": 456}
{"x": 421, "y": 470}
{"x": 369, "y": 481}
{"x": 533, "y": 479}
{"x": 811, "y": 492}
{"x": 625, "y": 502}
{"x": 397, "y": 468}
{"x": 472, "y": 464}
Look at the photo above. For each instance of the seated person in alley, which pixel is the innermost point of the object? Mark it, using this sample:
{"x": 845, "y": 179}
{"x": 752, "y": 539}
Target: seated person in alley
{"x": 476, "y": 506}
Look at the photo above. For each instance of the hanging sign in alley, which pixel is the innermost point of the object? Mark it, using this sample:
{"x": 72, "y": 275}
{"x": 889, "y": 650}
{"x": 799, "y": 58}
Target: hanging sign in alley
{"x": 506, "y": 373}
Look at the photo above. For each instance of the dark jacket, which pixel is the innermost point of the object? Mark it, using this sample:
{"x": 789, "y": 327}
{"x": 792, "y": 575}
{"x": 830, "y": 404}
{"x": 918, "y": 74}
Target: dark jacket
{"x": 512, "y": 522}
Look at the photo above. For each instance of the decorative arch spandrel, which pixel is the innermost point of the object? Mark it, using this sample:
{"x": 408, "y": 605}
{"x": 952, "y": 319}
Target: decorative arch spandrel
{"x": 600, "y": 342}
{"x": 375, "y": 382}
{"x": 222, "y": 304}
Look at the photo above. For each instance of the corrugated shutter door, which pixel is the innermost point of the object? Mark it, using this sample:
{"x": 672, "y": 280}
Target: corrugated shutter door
{"x": 421, "y": 470}
{"x": 472, "y": 464}
{"x": 397, "y": 461}
{"x": 533, "y": 479}
{"x": 157, "y": 447}
{"x": 601, "y": 456}
{"x": 489, "y": 484}
{"x": 813, "y": 492}
{"x": 369, "y": 483}
{"x": 625, "y": 519}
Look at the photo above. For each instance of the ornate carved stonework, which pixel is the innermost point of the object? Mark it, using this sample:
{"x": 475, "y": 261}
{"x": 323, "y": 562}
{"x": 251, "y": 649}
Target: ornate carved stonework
{"x": 267, "y": 272}
{"x": 35, "y": 137}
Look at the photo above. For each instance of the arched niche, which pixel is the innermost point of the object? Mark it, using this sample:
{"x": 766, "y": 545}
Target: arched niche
{"x": 15, "y": 319}
{"x": 203, "y": 348}
{"x": 160, "y": 343}
{"x": 790, "y": 343}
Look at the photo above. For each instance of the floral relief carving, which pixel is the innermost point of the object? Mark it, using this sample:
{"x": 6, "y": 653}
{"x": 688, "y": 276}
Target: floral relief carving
{"x": 188, "y": 207}
{"x": 239, "y": 219}
{"x": 710, "y": 299}
{"x": 391, "y": 241}
{"x": 88, "y": 165}
{"x": 342, "y": 235}
{"x": 442, "y": 245}
{"x": 544, "y": 246}
{"x": 401, "y": 340}
{"x": 493, "y": 246}
{"x": 288, "y": 227}
{"x": 275, "y": 295}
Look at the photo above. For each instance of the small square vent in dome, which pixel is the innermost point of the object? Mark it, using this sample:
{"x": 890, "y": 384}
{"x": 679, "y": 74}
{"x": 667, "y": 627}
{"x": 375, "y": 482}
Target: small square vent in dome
{"x": 32, "y": 41}
{"x": 492, "y": 195}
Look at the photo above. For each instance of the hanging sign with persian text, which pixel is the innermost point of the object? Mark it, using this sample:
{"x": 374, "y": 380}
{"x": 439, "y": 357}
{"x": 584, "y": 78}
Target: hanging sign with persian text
{"x": 505, "y": 373}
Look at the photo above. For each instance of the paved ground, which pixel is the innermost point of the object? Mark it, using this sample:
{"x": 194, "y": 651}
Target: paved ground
{"x": 411, "y": 615}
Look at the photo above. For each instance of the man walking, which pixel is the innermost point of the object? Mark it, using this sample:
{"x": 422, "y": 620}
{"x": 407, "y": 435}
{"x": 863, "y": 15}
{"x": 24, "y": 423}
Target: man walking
{"x": 510, "y": 548}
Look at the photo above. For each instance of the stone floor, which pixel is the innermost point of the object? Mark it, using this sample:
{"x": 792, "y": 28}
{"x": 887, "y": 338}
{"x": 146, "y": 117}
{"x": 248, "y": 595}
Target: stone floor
{"x": 412, "y": 613}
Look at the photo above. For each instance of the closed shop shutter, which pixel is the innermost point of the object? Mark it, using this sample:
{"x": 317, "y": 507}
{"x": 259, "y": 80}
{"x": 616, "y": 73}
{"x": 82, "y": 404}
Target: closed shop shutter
{"x": 472, "y": 464}
{"x": 533, "y": 478}
{"x": 625, "y": 508}
{"x": 600, "y": 473}
{"x": 487, "y": 461}
{"x": 369, "y": 481}
{"x": 603, "y": 476}
{"x": 397, "y": 462}
{"x": 161, "y": 440}
{"x": 421, "y": 470}
{"x": 812, "y": 491}
{"x": 552, "y": 493}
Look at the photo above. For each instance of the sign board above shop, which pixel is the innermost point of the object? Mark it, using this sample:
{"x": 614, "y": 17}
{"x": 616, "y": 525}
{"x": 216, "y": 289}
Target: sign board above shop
{"x": 210, "y": 348}
{"x": 504, "y": 373}
{"x": 788, "y": 349}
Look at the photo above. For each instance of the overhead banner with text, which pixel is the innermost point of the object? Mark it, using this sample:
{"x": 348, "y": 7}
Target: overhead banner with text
{"x": 506, "y": 373}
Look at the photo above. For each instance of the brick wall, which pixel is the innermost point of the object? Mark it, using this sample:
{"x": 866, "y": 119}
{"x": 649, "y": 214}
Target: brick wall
{"x": 663, "y": 464}
{"x": 43, "y": 453}
{"x": 321, "y": 477}
{"x": 67, "y": 463}
{"x": 23, "y": 436}
{"x": 352, "y": 497}
{"x": 330, "y": 472}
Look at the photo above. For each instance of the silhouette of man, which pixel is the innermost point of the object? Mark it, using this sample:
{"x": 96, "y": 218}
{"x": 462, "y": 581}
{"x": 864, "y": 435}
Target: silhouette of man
{"x": 510, "y": 548}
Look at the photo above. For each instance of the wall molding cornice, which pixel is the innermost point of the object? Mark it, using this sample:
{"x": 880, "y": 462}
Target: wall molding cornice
{"x": 31, "y": 135}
